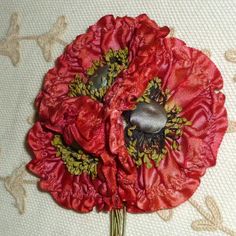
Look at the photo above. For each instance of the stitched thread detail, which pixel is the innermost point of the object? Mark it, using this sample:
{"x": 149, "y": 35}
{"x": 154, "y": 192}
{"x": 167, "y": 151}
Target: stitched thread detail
{"x": 234, "y": 78}
{"x": 47, "y": 41}
{"x": 230, "y": 55}
{"x": 14, "y": 184}
{"x": 31, "y": 119}
{"x": 10, "y": 45}
{"x": 172, "y": 32}
{"x": 207, "y": 52}
{"x": 231, "y": 126}
{"x": 118, "y": 222}
{"x": 165, "y": 215}
{"x": 212, "y": 220}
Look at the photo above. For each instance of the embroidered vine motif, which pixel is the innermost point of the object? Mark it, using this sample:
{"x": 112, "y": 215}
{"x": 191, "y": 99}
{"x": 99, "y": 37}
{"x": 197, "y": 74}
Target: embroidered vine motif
{"x": 47, "y": 41}
{"x": 231, "y": 126}
{"x": 172, "y": 32}
{"x": 31, "y": 119}
{"x": 212, "y": 221}
{"x": 234, "y": 78}
{"x": 206, "y": 51}
{"x": 230, "y": 55}
{"x": 10, "y": 45}
{"x": 165, "y": 215}
{"x": 14, "y": 184}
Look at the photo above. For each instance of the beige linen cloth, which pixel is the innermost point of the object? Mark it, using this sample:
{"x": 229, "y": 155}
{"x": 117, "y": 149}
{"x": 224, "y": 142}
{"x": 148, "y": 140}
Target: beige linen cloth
{"x": 32, "y": 35}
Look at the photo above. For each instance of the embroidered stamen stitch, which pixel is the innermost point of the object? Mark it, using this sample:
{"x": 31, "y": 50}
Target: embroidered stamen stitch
{"x": 103, "y": 73}
{"x": 76, "y": 161}
{"x": 143, "y": 146}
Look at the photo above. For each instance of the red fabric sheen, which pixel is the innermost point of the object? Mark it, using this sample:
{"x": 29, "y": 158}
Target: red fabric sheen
{"x": 192, "y": 79}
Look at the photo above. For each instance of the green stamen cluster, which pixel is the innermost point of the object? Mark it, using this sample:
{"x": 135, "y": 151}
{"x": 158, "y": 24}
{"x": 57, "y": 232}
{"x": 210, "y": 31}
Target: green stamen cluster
{"x": 77, "y": 162}
{"x": 146, "y": 155}
{"x": 150, "y": 148}
{"x": 154, "y": 92}
{"x": 116, "y": 61}
{"x": 174, "y": 125}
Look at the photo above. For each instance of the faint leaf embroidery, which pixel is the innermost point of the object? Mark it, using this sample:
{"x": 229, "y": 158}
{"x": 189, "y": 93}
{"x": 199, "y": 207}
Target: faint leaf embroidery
{"x": 165, "y": 215}
{"x": 172, "y": 32}
{"x": 212, "y": 220}
{"x": 206, "y": 51}
{"x": 10, "y": 46}
{"x": 31, "y": 119}
{"x": 46, "y": 41}
{"x": 234, "y": 78}
{"x": 230, "y": 55}
{"x": 231, "y": 126}
{"x": 14, "y": 184}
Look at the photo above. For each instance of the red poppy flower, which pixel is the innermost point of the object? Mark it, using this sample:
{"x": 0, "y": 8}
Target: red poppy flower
{"x": 109, "y": 33}
{"x": 80, "y": 192}
{"x": 127, "y": 117}
{"x": 190, "y": 140}
{"x": 69, "y": 141}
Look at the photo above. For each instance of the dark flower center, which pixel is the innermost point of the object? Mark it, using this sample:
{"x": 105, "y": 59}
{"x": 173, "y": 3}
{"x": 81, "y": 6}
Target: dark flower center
{"x": 76, "y": 160}
{"x": 151, "y": 124}
{"x": 149, "y": 117}
{"x": 100, "y": 75}
{"x": 99, "y": 79}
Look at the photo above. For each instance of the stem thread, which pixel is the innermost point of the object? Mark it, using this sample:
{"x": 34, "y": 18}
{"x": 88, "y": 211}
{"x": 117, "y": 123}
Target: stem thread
{"x": 118, "y": 220}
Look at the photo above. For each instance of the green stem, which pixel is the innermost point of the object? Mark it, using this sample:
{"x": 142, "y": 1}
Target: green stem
{"x": 118, "y": 220}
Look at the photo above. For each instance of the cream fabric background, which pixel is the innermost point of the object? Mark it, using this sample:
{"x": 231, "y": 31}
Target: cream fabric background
{"x": 202, "y": 24}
